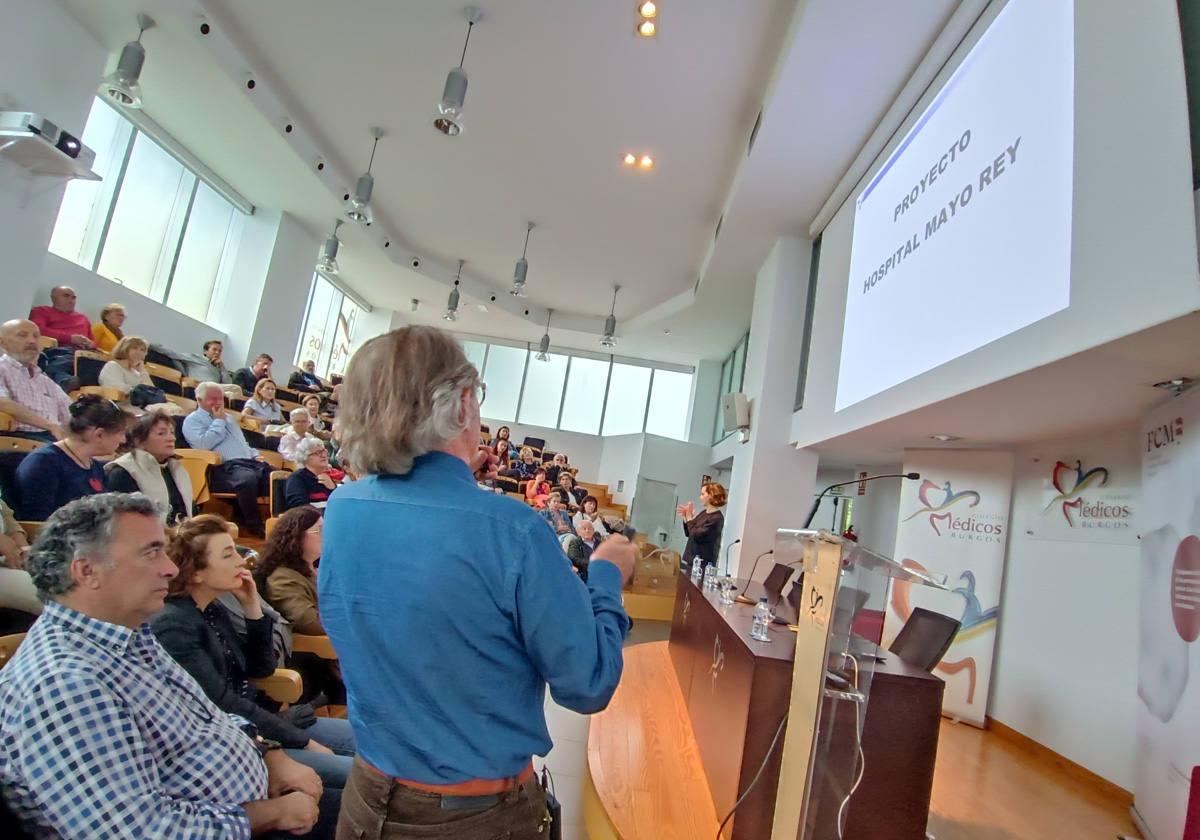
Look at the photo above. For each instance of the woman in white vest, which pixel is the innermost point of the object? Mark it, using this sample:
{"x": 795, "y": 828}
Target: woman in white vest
{"x": 150, "y": 466}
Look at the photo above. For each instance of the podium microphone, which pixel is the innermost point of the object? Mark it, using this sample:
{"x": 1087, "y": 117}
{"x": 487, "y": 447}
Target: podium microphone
{"x": 817, "y": 501}
{"x": 731, "y": 545}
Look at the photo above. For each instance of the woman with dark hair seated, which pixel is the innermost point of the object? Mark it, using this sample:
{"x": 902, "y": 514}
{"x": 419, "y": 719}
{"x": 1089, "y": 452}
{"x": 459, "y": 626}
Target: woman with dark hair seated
{"x": 60, "y": 472}
{"x": 199, "y": 635}
{"x": 151, "y": 467}
{"x": 312, "y": 483}
{"x": 288, "y": 564}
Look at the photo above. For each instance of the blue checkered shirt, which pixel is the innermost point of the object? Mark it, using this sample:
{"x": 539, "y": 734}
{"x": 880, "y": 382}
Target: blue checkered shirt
{"x": 103, "y": 735}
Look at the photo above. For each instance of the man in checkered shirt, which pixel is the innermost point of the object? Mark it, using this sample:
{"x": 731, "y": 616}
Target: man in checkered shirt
{"x": 33, "y": 399}
{"x": 102, "y": 734}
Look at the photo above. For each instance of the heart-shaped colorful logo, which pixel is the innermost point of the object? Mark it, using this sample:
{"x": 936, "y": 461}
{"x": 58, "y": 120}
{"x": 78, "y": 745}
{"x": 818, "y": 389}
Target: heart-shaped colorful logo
{"x": 933, "y": 521}
{"x": 1070, "y": 482}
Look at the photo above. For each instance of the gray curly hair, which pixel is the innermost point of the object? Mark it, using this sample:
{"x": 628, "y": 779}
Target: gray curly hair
{"x": 82, "y": 528}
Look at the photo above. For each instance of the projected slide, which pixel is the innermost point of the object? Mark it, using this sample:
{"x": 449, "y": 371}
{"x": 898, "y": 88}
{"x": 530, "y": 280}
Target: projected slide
{"x": 963, "y": 236}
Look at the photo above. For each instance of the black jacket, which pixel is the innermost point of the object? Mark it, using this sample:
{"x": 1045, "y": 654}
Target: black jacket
{"x": 246, "y": 380}
{"x": 704, "y": 537}
{"x": 303, "y": 488}
{"x": 207, "y": 646}
{"x": 302, "y": 381}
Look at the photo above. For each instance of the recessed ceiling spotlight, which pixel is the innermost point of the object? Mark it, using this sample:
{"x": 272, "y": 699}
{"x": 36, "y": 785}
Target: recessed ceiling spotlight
{"x": 666, "y": 332}
{"x": 647, "y": 29}
{"x": 629, "y": 159}
{"x": 645, "y": 162}
{"x": 944, "y": 438}
{"x": 648, "y": 9}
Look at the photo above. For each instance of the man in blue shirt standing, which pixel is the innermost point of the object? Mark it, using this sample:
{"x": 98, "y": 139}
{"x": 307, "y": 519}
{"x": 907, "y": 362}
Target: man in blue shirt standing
{"x": 213, "y": 428}
{"x": 451, "y": 609}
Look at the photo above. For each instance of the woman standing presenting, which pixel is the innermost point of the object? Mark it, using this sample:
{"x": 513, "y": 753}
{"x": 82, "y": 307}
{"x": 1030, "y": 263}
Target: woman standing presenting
{"x": 704, "y": 529}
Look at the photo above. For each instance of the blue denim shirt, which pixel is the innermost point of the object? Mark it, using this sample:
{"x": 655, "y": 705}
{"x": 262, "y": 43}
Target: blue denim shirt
{"x": 451, "y": 610}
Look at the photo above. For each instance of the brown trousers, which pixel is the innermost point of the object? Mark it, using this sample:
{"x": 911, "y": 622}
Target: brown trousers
{"x": 376, "y": 807}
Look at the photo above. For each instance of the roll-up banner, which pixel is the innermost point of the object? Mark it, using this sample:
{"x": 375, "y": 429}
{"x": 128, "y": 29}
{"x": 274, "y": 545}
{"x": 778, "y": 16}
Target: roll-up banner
{"x": 954, "y": 522}
{"x": 1168, "y": 710}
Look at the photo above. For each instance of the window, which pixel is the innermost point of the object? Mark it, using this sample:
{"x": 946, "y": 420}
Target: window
{"x": 542, "y": 396}
{"x": 151, "y": 225}
{"x": 343, "y": 334}
{"x": 504, "y": 373}
{"x": 628, "y": 390}
{"x": 809, "y": 308}
{"x": 589, "y": 394}
{"x": 670, "y": 401}
{"x": 328, "y": 332}
{"x": 583, "y": 403}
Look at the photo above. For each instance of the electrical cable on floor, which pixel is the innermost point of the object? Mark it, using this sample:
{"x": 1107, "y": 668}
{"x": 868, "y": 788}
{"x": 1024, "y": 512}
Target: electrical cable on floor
{"x": 754, "y": 781}
{"x": 860, "y": 760}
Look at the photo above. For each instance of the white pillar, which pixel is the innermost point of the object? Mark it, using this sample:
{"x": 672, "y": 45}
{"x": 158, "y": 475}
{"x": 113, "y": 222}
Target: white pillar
{"x": 772, "y": 482}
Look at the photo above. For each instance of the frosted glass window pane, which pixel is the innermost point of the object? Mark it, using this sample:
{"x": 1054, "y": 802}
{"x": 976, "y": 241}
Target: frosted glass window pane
{"x": 670, "y": 399}
{"x": 143, "y": 214}
{"x": 585, "y": 396}
{"x": 107, "y": 134}
{"x": 505, "y": 367}
{"x": 475, "y": 351}
{"x": 627, "y": 394}
{"x": 312, "y": 340}
{"x": 343, "y": 337}
{"x": 543, "y": 391}
{"x": 200, "y": 256}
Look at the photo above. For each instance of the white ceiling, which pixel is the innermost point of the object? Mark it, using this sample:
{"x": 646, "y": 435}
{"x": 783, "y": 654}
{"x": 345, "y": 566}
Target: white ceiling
{"x": 558, "y": 91}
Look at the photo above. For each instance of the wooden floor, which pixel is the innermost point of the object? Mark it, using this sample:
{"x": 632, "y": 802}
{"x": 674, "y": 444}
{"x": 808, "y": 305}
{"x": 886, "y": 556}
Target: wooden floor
{"x": 987, "y": 788}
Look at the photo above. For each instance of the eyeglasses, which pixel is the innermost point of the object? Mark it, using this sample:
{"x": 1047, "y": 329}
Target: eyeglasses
{"x": 481, "y": 391}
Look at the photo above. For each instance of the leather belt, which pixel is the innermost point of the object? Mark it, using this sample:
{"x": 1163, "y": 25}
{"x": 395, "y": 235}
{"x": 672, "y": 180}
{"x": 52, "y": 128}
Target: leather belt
{"x": 474, "y": 787}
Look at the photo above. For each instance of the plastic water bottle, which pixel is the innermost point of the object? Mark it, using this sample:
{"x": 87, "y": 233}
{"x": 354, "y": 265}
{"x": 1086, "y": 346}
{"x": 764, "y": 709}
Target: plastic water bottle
{"x": 697, "y": 570}
{"x": 710, "y": 577}
{"x": 762, "y": 618}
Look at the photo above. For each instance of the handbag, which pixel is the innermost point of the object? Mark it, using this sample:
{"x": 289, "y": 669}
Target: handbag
{"x": 141, "y": 396}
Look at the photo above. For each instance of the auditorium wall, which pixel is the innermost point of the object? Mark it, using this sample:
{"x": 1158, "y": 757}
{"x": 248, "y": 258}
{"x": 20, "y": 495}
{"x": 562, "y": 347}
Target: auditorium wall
{"x": 1133, "y": 217}
{"x": 1065, "y": 671}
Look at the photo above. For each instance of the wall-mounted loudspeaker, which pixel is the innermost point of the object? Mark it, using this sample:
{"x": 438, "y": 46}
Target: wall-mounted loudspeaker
{"x": 735, "y": 411}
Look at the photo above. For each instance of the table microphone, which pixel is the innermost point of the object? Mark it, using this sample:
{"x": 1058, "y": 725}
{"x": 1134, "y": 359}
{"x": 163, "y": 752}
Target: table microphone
{"x": 742, "y": 598}
{"x": 731, "y": 545}
{"x": 817, "y": 502}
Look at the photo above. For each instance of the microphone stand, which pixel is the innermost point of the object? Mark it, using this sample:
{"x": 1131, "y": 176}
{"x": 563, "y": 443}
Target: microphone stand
{"x": 817, "y": 501}
{"x": 727, "y": 548}
{"x": 742, "y": 598}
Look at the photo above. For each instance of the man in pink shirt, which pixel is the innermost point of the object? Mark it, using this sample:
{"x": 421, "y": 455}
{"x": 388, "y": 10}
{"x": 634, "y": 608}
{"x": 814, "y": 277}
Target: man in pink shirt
{"x": 61, "y": 322}
{"x": 40, "y": 407}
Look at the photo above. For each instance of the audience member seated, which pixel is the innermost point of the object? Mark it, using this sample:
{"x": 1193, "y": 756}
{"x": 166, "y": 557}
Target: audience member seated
{"x": 588, "y": 511}
{"x": 306, "y": 379}
{"x": 555, "y": 513}
{"x": 312, "y": 482}
{"x": 263, "y": 405}
{"x": 61, "y": 322}
{"x": 107, "y": 331}
{"x": 579, "y": 547}
{"x": 537, "y": 490}
{"x": 572, "y": 496}
{"x": 503, "y": 455}
{"x": 151, "y": 467}
{"x": 525, "y": 468}
{"x": 222, "y": 375}
{"x": 248, "y": 377}
{"x": 289, "y": 443}
{"x": 199, "y": 635}
{"x": 36, "y": 403}
{"x": 557, "y": 466}
{"x": 211, "y": 427}
{"x": 57, "y": 473}
{"x": 504, "y": 437}
{"x": 318, "y": 428}
{"x": 16, "y": 587}
{"x": 127, "y": 373}
{"x": 289, "y": 562}
{"x": 104, "y": 734}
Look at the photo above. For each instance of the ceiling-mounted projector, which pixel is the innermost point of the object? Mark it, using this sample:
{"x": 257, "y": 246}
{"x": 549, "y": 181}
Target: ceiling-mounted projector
{"x": 39, "y": 146}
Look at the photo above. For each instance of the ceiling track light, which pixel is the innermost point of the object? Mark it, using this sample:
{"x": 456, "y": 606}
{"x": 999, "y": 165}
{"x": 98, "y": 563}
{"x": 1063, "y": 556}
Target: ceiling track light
{"x": 647, "y": 29}
{"x": 122, "y": 85}
{"x": 543, "y": 354}
{"x": 453, "y": 301}
{"x": 358, "y": 205}
{"x": 647, "y": 9}
{"x": 610, "y": 323}
{"x": 327, "y": 262}
{"x": 521, "y": 270}
{"x": 449, "y": 117}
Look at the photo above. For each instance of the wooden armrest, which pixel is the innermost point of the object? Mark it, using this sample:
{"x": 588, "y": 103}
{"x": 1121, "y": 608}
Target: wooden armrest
{"x": 163, "y": 372}
{"x": 30, "y": 528}
{"x": 284, "y": 686}
{"x": 211, "y": 458}
{"x": 272, "y": 458}
{"x": 182, "y": 402}
{"x": 108, "y": 393}
{"x": 252, "y": 424}
{"x": 320, "y": 645}
{"x": 7, "y": 422}
{"x": 45, "y": 341}
{"x": 9, "y": 645}
{"x": 290, "y": 466}
{"x": 189, "y": 382}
